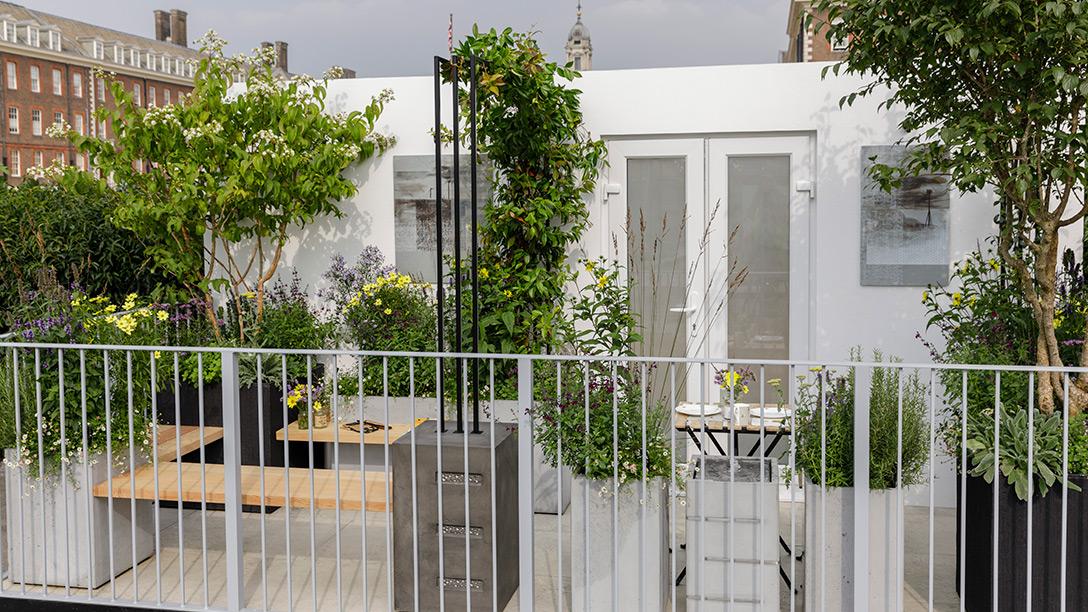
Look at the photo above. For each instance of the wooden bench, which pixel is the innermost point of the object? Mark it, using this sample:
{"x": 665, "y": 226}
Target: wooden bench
{"x": 324, "y": 491}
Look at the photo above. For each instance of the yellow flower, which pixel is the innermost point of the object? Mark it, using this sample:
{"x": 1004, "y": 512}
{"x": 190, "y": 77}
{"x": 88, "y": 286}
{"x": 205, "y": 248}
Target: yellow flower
{"x": 591, "y": 265}
{"x": 158, "y": 354}
{"x": 318, "y": 406}
{"x": 816, "y": 369}
{"x": 484, "y": 273}
{"x": 1057, "y": 321}
{"x": 388, "y": 311}
{"x": 378, "y": 302}
{"x": 957, "y": 298}
{"x": 126, "y": 323}
{"x": 775, "y": 382}
{"x": 130, "y": 302}
{"x": 162, "y": 315}
{"x": 249, "y": 295}
{"x": 110, "y": 308}
{"x": 508, "y": 293}
{"x": 993, "y": 263}
{"x": 602, "y": 280}
{"x": 925, "y": 296}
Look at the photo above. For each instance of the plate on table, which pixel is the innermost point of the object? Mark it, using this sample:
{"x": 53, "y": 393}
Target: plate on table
{"x": 771, "y": 414}
{"x": 690, "y": 409}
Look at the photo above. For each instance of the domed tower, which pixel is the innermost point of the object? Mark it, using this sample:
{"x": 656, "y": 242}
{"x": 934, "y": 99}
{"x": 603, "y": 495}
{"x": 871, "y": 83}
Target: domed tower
{"x": 579, "y": 49}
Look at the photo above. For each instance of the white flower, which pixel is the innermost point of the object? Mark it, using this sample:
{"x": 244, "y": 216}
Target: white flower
{"x": 211, "y": 42}
{"x": 58, "y": 130}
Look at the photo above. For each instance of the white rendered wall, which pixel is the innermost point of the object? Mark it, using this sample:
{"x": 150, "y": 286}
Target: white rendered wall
{"x": 696, "y": 102}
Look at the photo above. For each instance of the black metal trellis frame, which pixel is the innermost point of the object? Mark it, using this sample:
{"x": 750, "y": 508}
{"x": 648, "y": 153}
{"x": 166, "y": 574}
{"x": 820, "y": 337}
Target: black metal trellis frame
{"x": 453, "y": 64}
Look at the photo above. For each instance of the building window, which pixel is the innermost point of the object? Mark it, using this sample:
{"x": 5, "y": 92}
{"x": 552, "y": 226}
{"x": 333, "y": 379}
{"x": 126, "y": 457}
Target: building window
{"x": 151, "y": 96}
{"x": 80, "y": 163}
{"x": 101, "y": 128}
{"x": 149, "y": 62}
{"x": 58, "y": 119}
{"x": 79, "y": 124}
{"x": 13, "y": 120}
{"x": 54, "y": 40}
{"x": 100, "y": 85}
{"x": 58, "y": 83}
{"x": 840, "y": 43}
{"x": 8, "y": 32}
{"x": 98, "y": 49}
{"x": 137, "y": 94}
{"x": 36, "y": 122}
{"x": 165, "y": 96}
{"x": 178, "y": 68}
{"x": 32, "y": 36}
{"x": 119, "y": 54}
{"x": 16, "y": 164}
{"x": 77, "y": 84}
{"x": 39, "y": 159}
{"x": 35, "y": 79}
{"x": 13, "y": 78}
{"x": 134, "y": 57}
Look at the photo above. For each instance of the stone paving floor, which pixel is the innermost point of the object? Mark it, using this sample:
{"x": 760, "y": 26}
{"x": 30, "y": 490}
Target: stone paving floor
{"x": 290, "y": 583}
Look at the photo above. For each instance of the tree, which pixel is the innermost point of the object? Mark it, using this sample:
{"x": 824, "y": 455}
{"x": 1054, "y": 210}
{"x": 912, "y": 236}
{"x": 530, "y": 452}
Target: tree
{"x": 530, "y": 128}
{"x": 215, "y": 183}
{"x": 994, "y": 94}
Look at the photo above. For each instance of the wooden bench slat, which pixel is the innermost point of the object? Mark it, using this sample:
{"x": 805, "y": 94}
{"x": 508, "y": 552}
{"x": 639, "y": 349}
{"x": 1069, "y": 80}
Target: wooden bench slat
{"x": 299, "y": 497}
{"x": 189, "y": 437}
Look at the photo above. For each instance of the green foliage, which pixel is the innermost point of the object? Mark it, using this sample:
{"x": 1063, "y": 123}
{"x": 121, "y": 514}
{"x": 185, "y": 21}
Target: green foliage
{"x": 984, "y": 319}
{"x": 833, "y": 421}
{"x": 49, "y": 375}
{"x": 222, "y": 177}
{"x": 62, "y": 231}
{"x": 530, "y": 128}
{"x": 394, "y": 313}
{"x": 620, "y": 420}
{"x": 1046, "y": 450}
{"x": 605, "y": 324}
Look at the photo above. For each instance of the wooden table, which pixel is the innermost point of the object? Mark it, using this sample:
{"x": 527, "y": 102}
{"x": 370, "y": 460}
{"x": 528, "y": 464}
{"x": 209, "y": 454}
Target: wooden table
{"x": 370, "y": 453}
{"x": 187, "y": 437}
{"x": 693, "y": 426}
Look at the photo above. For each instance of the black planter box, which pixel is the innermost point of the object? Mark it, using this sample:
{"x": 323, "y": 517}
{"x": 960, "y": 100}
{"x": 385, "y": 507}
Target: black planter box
{"x": 1012, "y": 547}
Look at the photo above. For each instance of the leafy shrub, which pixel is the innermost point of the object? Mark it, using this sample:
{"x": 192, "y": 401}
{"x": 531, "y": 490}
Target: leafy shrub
{"x": 67, "y": 231}
{"x": 835, "y": 423}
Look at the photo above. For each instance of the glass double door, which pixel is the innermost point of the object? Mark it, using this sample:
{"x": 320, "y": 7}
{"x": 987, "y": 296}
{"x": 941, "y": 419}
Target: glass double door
{"x": 715, "y": 233}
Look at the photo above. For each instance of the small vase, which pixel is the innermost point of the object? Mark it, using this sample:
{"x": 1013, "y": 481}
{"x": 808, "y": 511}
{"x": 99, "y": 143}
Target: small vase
{"x": 321, "y": 416}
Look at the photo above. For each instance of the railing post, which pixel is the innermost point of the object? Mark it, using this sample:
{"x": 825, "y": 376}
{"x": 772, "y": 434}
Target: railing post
{"x": 232, "y": 482}
{"x": 525, "y": 484}
{"x": 862, "y": 382}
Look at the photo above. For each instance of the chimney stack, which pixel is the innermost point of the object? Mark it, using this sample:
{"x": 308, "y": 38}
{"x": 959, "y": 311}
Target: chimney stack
{"x": 346, "y": 73}
{"x": 281, "y": 55}
{"x": 162, "y": 25}
{"x": 179, "y": 30}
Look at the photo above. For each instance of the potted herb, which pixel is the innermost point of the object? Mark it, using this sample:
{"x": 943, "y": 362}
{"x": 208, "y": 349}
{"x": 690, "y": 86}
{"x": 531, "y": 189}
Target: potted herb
{"x": 597, "y": 420}
{"x": 829, "y": 475}
{"x": 49, "y": 459}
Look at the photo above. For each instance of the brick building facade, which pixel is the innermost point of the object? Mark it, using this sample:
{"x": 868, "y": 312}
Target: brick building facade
{"x": 47, "y": 67}
{"x": 808, "y": 41}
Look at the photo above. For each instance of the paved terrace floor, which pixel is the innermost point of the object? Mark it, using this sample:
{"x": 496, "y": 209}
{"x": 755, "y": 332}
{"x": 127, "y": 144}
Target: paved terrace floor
{"x": 366, "y": 590}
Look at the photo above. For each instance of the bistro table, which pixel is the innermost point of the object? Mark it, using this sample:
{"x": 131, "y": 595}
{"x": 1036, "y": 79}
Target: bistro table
{"x": 771, "y": 430}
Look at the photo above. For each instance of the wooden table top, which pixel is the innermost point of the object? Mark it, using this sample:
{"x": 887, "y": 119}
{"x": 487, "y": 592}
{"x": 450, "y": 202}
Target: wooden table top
{"x": 717, "y": 424}
{"x": 186, "y": 436}
{"x": 329, "y": 434}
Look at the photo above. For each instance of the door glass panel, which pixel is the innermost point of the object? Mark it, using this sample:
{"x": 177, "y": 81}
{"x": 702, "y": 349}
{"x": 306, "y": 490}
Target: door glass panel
{"x": 758, "y": 199}
{"x": 656, "y": 257}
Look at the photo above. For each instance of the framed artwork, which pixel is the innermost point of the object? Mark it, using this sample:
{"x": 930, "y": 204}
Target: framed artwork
{"x": 905, "y": 233}
{"x": 415, "y": 232}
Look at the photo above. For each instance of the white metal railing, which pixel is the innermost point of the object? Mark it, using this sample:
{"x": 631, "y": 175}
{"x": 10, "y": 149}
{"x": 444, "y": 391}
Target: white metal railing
{"x": 243, "y": 512}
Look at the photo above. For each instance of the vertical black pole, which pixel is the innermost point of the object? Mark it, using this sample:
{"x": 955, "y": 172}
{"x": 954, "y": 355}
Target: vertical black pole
{"x": 438, "y": 234}
{"x": 475, "y": 253}
{"x": 457, "y": 274}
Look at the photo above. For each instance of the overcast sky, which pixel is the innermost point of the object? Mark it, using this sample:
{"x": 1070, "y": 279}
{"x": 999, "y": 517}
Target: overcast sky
{"x": 399, "y": 37}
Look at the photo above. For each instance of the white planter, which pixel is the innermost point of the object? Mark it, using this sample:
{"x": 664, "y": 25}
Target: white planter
{"x": 732, "y": 536}
{"x": 642, "y": 565}
{"x": 835, "y": 556}
{"x": 88, "y": 563}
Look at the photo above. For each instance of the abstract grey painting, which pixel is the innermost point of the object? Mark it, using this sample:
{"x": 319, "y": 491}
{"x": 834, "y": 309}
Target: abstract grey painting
{"x": 905, "y": 232}
{"x": 413, "y": 204}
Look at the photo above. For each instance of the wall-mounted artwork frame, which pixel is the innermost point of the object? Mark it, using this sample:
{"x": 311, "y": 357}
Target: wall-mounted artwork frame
{"x": 905, "y": 233}
{"x": 414, "y": 213}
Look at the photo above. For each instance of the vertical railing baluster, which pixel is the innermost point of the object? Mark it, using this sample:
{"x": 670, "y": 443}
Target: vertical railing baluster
{"x": 41, "y": 467}
{"x": 525, "y": 483}
{"x": 1031, "y": 484}
{"x": 310, "y": 450}
{"x": 109, "y": 470}
{"x": 362, "y": 480}
{"x": 335, "y": 424}
{"x": 203, "y": 472}
{"x": 963, "y": 492}
{"x": 88, "y": 498}
{"x": 615, "y": 491}
{"x": 1065, "y": 488}
{"x": 155, "y": 472}
{"x": 284, "y": 392}
{"x": 232, "y": 483}
{"x": 415, "y": 478}
{"x": 387, "y": 485}
{"x": 792, "y": 403}
{"x": 132, "y": 476}
{"x": 997, "y": 484}
{"x": 260, "y": 465}
{"x": 862, "y": 388}
{"x": 181, "y": 497}
{"x": 932, "y": 482}
{"x": 899, "y": 535}
{"x": 494, "y": 517}
{"x": 64, "y": 477}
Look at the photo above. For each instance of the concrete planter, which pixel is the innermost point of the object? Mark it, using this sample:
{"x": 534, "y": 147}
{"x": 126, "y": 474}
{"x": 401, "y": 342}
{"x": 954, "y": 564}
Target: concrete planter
{"x": 642, "y": 565}
{"x": 732, "y": 535}
{"x": 830, "y": 563}
{"x": 88, "y": 563}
